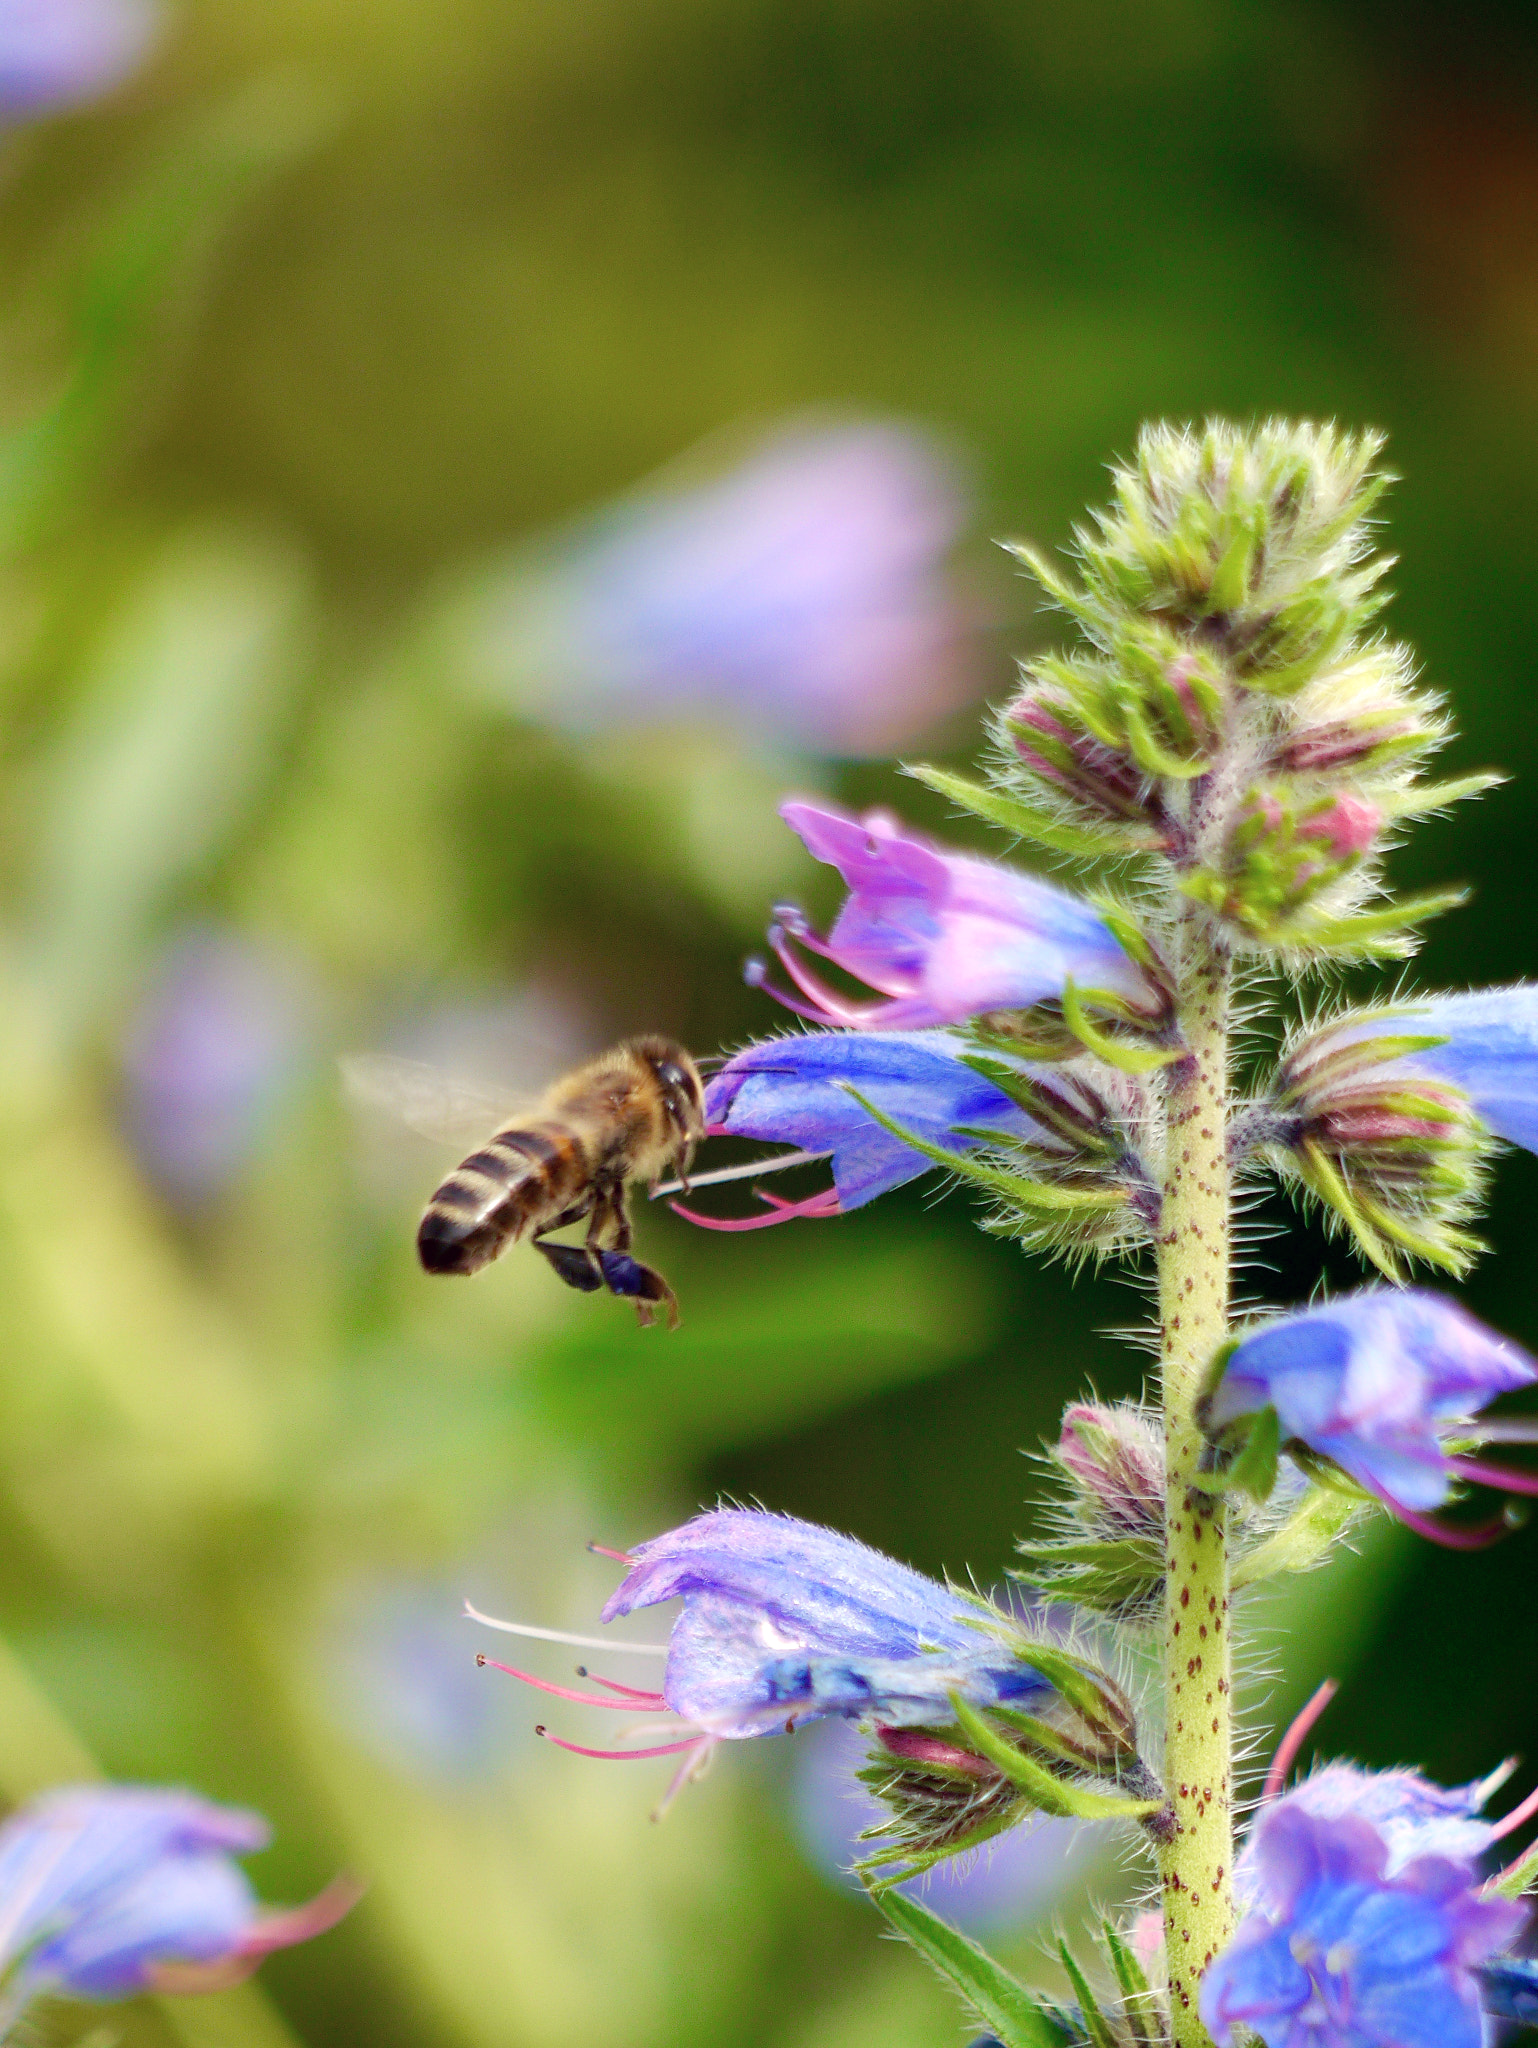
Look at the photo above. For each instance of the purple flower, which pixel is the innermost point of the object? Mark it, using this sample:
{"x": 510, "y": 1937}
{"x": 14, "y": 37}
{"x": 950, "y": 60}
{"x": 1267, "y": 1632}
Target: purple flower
{"x": 110, "y": 1890}
{"x": 57, "y": 53}
{"x": 943, "y": 936}
{"x": 1491, "y": 1051}
{"x": 207, "y": 1057}
{"x": 1375, "y": 1382}
{"x": 803, "y": 592}
{"x": 795, "y": 1090}
{"x": 1342, "y": 1950}
{"x": 783, "y": 1620}
{"x": 784, "y": 1623}
{"x": 1413, "y": 1816}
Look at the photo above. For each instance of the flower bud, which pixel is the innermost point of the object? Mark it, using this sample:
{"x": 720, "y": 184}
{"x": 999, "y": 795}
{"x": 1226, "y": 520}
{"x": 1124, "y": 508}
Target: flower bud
{"x": 1289, "y": 864}
{"x": 1106, "y": 1548}
{"x": 1396, "y": 1156}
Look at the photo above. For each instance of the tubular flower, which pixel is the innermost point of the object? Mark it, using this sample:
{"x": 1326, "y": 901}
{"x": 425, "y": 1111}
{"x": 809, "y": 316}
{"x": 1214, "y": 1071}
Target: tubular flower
{"x": 796, "y": 1090}
{"x": 110, "y": 1890}
{"x": 943, "y": 936}
{"x": 784, "y": 1622}
{"x": 1347, "y": 1946}
{"x": 1375, "y": 1382}
{"x": 1489, "y": 1050}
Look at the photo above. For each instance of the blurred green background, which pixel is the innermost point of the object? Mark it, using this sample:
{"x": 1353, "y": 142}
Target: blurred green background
{"x": 308, "y": 330}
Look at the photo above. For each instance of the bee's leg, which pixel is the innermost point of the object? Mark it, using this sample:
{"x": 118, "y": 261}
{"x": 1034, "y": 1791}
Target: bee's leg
{"x": 643, "y": 1285}
{"x": 610, "y": 1236}
{"x": 577, "y": 1266}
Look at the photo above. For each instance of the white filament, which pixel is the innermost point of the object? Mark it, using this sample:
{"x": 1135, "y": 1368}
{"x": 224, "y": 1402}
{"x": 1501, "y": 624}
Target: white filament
{"x": 724, "y": 1173}
{"x": 560, "y": 1635}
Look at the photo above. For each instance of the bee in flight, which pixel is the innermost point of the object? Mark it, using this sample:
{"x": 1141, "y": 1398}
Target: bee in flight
{"x": 628, "y": 1115}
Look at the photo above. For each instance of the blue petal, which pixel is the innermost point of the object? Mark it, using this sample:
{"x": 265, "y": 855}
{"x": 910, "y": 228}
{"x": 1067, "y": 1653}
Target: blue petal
{"x": 795, "y": 1090}
{"x": 188, "y": 1909}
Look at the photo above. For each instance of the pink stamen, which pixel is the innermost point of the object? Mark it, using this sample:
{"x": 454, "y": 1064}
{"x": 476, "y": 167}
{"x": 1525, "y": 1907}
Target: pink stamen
{"x": 1510, "y": 1822}
{"x": 1450, "y": 1536}
{"x": 303, "y": 1923}
{"x": 832, "y": 1007}
{"x": 818, "y": 1207}
{"x": 620, "y": 1756}
{"x": 619, "y": 1556}
{"x": 631, "y": 1692}
{"x": 566, "y": 1692}
{"x": 1287, "y": 1749}
{"x": 687, "y": 1771}
{"x": 1499, "y": 1476}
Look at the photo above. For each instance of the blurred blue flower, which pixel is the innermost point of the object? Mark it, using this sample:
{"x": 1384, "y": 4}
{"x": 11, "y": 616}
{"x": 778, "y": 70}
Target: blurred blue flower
{"x": 214, "y": 1041}
{"x": 1341, "y": 1951}
{"x": 1018, "y": 1878}
{"x": 110, "y": 1890}
{"x": 1491, "y": 1050}
{"x": 58, "y": 53}
{"x": 795, "y": 1090}
{"x": 803, "y": 593}
{"x": 1375, "y": 1382}
{"x": 1508, "y": 1989}
{"x": 1413, "y": 1816}
{"x": 943, "y": 936}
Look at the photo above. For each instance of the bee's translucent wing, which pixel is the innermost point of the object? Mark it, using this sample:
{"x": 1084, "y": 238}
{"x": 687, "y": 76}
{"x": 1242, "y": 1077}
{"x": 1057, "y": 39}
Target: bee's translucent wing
{"x": 433, "y": 1103}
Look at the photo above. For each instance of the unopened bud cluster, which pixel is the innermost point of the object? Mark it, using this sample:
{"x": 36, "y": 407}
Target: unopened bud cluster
{"x": 1106, "y": 1549}
{"x": 1396, "y": 1156}
{"x": 1229, "y": 712}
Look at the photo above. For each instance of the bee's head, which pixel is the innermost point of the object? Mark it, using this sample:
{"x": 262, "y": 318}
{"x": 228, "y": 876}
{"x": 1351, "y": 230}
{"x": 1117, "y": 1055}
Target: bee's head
{"x": 683, "y": 1092}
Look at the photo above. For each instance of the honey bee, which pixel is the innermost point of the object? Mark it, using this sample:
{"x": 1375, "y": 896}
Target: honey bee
{"x": 626, "y": 1116}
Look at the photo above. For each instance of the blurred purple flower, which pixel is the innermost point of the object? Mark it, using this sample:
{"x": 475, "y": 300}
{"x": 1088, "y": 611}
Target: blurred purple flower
{"x": 58, "y": 53}
{"x": 1375, "y": 1382}
{"x": 803, "y": 593}
{"x": 1491, "y": 1050}
{"x": 206, "y": 1060}
{"x": 1413, "y": 1816}
{"x": 110, "y": 1890}
{"x": 1019, "y": 1877}
{"x": 795, "y": 1090}
{"x": 1340, "y": 1950}
{"x": 943, "y": 936}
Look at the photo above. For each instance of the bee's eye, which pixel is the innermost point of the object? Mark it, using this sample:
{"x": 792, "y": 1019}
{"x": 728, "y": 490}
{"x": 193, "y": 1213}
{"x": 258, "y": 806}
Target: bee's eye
{"x": 672, "y": 1075}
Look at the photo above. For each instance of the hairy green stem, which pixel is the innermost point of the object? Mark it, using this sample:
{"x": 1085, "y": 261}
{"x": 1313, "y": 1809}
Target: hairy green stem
{"x": 1196, "y": 1861}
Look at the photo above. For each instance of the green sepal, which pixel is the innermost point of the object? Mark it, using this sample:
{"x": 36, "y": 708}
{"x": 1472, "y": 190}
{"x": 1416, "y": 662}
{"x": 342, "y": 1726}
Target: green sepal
{"x": 1045, "y": 1792}
{"x": 1027, "y": 822}
{"x": 1151, "y": 755}
{"x": 1110, "y": 1576}
{"x": 1320, "y": 1173}
{"x": 1016, "y": 2016}
{"x": 1040, "y": 1736}
{"x": 1130, "y": 1059}
{"x": 1323, "y": 1514}
{"x": 1254, "y": 1470}
{"x": 1096, "y": 2026}
{"x": 1212, "y": 1379}
{"x": 1057, "y": 587}
{"x": 1421, "y": 801}
{"x": 1517, "y": 1879}
{"x": 1360, "y": 936}
{"x": 997, "y": 1180}
{"x": 1138, "y": 2006}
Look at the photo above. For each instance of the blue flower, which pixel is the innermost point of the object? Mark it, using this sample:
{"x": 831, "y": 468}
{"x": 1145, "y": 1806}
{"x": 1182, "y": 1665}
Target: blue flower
{"x": 784, "y": 1621}
{"x": 57, "y": 53}
{"x": 796, "y": 1090}
{"x": 110, "y": 1890}
{"x": 1375, "y": 1381}
{"x": 1490, "y": 1050}
{"x": 943, "y": 936}
{"x": 1413, "y": 1816}
{"x": 1342, "y": 1950}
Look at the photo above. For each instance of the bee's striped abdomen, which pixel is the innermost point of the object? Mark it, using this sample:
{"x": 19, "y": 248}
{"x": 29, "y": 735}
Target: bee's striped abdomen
{"x": 520, "y": 1179}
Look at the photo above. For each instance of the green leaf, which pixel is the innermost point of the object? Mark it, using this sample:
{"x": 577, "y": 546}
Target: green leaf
{"x": 1138, "y": 2003}
{"x": 1254, "y": 1470}
{"x": 1108, "y": 1576}
{"x": 1320, "y": 1173}
{"x": 1056, "y": 585}
{"x": 1096, "y": 2026}
{"x": 1027, "y": 822}
{"x": 1003, "y": 2004}
{"x": 1051, "y": 1795}
{"x": 1362, "y": 937}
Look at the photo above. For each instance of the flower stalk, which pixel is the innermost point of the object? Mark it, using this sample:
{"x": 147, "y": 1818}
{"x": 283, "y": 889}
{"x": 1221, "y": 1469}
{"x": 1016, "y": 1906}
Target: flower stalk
{"x": 1196, "y": 1859}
